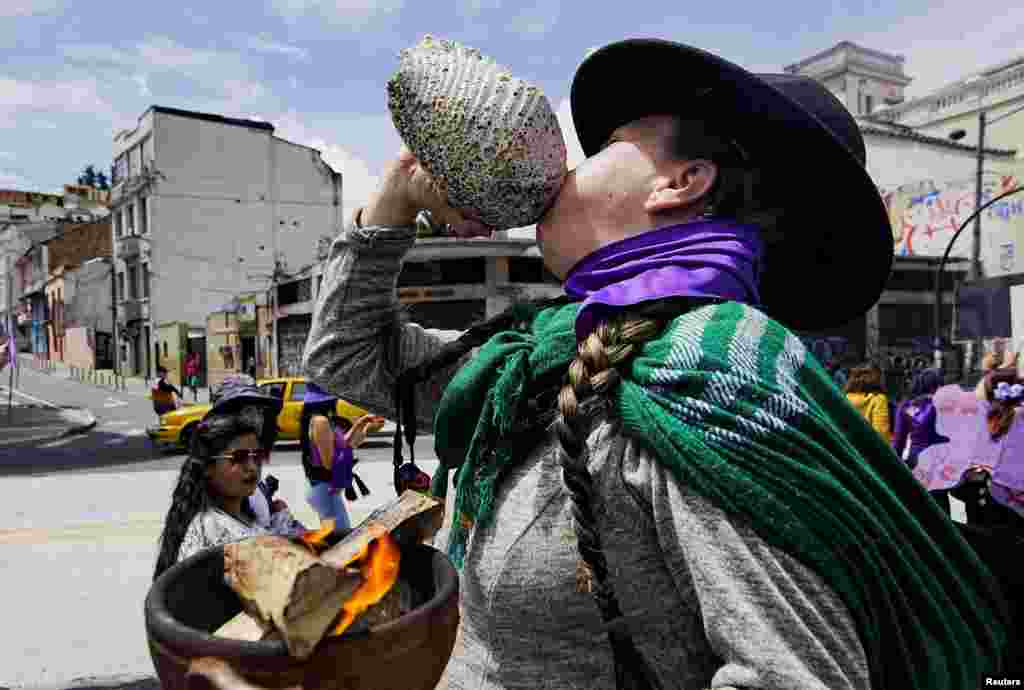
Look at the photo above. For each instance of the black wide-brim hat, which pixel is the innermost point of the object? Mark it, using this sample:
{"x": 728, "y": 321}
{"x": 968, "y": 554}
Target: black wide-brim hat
{"x": 833, "y": 255}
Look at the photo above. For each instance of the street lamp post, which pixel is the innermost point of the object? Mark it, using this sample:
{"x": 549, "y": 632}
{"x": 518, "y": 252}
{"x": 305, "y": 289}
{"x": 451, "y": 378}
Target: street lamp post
{"x": 942, "y": 264}
{"x": 974, "y": 269}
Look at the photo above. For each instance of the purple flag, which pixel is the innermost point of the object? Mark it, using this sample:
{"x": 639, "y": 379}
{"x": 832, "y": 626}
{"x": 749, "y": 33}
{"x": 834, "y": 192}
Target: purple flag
{"x": 963, "y": 418}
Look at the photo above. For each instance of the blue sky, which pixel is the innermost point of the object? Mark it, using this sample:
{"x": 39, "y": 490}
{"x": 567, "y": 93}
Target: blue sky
{"x": 72, "y": 73}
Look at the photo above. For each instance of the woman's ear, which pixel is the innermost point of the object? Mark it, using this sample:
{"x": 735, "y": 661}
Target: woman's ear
{"x": 686, "y": 185}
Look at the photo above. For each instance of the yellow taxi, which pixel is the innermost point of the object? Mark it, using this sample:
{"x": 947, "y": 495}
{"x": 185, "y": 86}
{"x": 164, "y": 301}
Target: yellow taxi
{"x": 175, "y": 428}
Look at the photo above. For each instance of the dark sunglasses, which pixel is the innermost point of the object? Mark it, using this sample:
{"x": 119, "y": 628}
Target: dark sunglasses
{"x": 240, "y": 456}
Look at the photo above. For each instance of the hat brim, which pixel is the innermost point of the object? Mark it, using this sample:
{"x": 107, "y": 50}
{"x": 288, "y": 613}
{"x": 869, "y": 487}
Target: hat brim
{"x": 835, "y": 235}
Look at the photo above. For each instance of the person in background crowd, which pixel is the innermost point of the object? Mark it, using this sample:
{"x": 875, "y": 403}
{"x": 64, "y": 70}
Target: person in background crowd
{"x": 865, "y": 392}
{"x": 327, "y": 442}
{"x": 166, "y": 397}
{"x": 250, "y": 367}
{"x": 915, "y": 425}
{"x": 192, "y": 374}
{"x": 1004, "y": 393}
{"x": 210, "y": 503}
{"x": 835, "y": 370}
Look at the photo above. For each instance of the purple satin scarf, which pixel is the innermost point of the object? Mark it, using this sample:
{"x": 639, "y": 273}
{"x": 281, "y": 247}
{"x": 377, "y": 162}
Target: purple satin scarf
{"x": 705, "y": 258}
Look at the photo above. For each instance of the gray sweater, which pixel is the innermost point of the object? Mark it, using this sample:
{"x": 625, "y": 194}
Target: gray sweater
{"x": 710, "y": 604}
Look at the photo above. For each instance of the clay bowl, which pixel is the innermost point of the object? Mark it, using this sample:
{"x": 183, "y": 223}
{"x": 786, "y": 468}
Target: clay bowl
{"x": 189, "y": 601}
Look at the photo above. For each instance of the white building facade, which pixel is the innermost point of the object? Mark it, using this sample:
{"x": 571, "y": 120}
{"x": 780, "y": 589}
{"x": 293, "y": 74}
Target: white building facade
{"x": 205, "y": 209}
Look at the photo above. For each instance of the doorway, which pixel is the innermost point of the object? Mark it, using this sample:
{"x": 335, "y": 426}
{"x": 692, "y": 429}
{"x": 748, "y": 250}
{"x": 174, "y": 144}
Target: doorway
{"x": 248, "y": 353}
{"x": 199, "y": 345}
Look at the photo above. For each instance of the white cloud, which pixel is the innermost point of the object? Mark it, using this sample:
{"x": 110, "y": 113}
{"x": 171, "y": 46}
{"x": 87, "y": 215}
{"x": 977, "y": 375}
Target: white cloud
{"x": 226, "y": 81}
{"x": 941, "y": 47}
{"x": 20, "y": 97}
{"x": 574, "y": 152}
{"x": 10, "y": 180}
{"x": 25, "y": 8}
{"x": 354, "y": 14}
{"x": 537, "y": 21}
{"x": 358, "y": 180}
{"x": 473, "y": 8}
{"x": 263, "y": 43}
{"x": 143, "y": 84}
{"x": 293, "y": 82}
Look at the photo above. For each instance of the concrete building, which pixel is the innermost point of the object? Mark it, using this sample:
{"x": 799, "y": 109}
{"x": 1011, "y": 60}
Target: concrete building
{"x": 78, "y": 203}
{"x": 445, "y": 283}
{"x": 206, "y": 208}
{"x": 996, "y": 90}
{"x": 863, "y": 79}
{"x": 927, "y": 181}
{"x": 80, "y": 301}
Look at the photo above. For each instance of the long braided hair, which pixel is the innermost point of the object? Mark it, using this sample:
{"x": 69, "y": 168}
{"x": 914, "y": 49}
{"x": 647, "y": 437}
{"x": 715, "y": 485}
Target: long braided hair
{"x": 191, "y": 495}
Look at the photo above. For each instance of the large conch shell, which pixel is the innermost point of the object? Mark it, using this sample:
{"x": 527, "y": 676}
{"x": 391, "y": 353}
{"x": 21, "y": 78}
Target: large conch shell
{"x": 490, "y": 141}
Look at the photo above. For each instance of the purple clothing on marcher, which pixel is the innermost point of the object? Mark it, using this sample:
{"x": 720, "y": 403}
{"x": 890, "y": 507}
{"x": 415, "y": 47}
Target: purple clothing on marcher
{"x": 704, "y": 258}
{"x": 341, "y": 464}
{"x": 916, "y": 421}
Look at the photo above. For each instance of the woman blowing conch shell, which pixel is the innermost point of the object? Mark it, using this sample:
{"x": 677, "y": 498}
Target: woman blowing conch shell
{"x": 655, "y": 484}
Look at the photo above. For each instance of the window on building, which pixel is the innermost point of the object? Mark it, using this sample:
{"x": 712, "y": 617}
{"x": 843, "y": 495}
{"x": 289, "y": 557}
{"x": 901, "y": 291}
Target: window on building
{"x": 119, "y": 171}
{"x": 143, "y": 216}
{"x": 443, "y": 272}
{"x": 145, "y": 281}
{"x": 294, "y": 292}
{"x": 129, "y": 219}
{"x": 165, "y": 348}
{"x": 120, "y": 285}
{"x": 117, "y": 225}
{"x": 133, "y": 276}
{"x": 868, "y": 104}
{"x": 527, "y": 269}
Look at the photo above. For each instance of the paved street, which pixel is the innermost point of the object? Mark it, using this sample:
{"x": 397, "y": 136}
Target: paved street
{"x": 80, "y": 520}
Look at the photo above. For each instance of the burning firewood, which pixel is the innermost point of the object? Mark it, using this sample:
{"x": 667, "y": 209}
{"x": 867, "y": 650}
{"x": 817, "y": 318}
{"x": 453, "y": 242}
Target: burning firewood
{"x": 370, "y": 554}
{"x": 285, "y": 587}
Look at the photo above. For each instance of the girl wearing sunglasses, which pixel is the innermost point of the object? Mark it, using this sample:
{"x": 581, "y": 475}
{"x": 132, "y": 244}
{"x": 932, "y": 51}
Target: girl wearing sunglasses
{"x": 210, "y": 504}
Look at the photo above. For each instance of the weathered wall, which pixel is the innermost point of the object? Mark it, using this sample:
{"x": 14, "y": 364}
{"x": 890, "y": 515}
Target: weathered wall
{"x": 929, "y": 192}
{"x": 223, "y": 350}
{"x": 231, "y": 196}
{"x": 172, "y": 339}
{"x": 79, "y": 347}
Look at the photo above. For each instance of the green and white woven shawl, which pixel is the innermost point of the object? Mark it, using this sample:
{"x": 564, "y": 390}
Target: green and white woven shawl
{"x": 733, "y": 404}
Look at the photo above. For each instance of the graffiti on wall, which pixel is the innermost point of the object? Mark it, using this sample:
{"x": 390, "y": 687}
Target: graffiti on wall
{"x": 925, "y": 214}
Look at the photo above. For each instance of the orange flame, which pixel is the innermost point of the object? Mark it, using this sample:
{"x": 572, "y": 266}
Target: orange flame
{"x": 315, "y": 539}
{"x": 380, "y": 570}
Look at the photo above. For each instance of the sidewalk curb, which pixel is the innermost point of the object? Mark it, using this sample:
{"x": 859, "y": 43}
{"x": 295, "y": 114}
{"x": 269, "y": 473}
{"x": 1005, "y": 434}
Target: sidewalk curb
{"x": 87, "y": 424}
{"x": 124, "y": 682}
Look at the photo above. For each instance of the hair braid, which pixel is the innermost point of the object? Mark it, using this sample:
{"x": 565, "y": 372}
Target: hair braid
{"x": 595, "y": 371}
{"x": 188, "y": 500}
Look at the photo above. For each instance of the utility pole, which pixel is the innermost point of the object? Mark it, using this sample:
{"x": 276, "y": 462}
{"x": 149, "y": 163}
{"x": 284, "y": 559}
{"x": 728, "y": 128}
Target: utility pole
{"x": 974, "y": 271}
{"x": 276, "y": 348}
{"x": 113, "y": 315}
{"x": 12, "y": 340}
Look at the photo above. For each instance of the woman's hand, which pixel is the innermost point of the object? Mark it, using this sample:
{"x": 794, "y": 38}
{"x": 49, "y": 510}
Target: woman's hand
{"x": 407, "y": 189}
{"x": 356, "y": 436}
